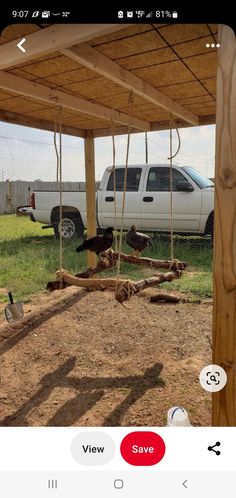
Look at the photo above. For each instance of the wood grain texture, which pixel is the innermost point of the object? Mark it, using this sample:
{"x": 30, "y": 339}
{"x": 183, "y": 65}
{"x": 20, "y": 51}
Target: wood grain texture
{"x": 124, "y": 288}
{"x": 67, "y": 101}
{"x": 90, "y": 194}
{"x": 93, "y": 59}
{"x": 50, "y": 39}
{"x": 124, "y": 57}
{"x": 109, "y": 258}
{"x": 224, "y": 307}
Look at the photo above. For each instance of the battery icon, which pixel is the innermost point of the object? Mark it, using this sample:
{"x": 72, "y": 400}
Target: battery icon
{"x": 175, "y": 14}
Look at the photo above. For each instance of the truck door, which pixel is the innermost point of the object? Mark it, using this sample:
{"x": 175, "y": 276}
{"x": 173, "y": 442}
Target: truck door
{"x": 155, "y": 202}
{"x": 106, "y": 206}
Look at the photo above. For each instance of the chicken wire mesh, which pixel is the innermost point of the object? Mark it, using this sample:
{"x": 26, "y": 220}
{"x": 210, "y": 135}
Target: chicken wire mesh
{"x": 148, "y": 203}
{"x": 28, "y": 165}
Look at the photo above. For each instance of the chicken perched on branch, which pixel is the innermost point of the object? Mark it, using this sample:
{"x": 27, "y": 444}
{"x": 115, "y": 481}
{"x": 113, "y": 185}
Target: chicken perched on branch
{"x": 138, "y": 241}
{"x": 98, "y": 244}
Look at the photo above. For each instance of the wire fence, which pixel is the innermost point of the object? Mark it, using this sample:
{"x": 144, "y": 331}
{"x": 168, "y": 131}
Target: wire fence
{"x": 28, "y": 164}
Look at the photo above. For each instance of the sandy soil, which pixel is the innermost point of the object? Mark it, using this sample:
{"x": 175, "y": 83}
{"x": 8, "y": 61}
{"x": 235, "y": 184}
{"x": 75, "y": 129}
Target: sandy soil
{"x": 97, "y": 363}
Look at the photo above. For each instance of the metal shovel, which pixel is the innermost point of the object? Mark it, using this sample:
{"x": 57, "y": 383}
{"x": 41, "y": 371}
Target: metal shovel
{"x": 13, "y": 311}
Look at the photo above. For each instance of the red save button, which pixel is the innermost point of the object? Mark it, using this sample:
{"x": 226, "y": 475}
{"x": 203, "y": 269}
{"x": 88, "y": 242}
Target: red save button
{"x": 142, "y": 448}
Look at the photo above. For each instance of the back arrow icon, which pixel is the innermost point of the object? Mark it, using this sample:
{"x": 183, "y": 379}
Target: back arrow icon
{"x": 19, "y": 45}
{"x": 184, "y": 483}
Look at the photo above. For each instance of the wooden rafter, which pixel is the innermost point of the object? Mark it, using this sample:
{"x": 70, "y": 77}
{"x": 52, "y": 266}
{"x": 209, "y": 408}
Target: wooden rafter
{"x": 42, "y": 124}
{"x": 51, "y": 39}
{"x": 43, "y": 93}
{"x": 93, "y": 59}
{"x": 156, "y": 126}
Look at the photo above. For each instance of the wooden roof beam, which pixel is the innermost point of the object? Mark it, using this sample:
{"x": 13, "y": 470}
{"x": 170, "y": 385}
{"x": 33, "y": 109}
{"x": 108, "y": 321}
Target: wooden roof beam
{"x": 22, "y": 86}
{"x": 51, "y": 39}
{"x": 93, "y": 59}
{"x": 158, "y": 126}
{"x": 42, "y": 124}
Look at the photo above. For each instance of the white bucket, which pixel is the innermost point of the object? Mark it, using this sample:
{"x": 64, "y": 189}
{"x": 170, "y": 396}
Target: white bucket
{"x": 177, "y": 416}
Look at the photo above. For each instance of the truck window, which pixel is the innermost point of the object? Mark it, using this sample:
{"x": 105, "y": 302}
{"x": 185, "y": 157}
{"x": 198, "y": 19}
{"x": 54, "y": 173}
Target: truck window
{"x": 133, "y": 180}
{"x": 199, "y": 179}
{"x": 159, "y": 179}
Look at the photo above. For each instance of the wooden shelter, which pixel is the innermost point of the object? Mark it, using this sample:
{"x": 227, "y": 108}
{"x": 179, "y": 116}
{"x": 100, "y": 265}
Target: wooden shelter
{"x": 89, "y": 71}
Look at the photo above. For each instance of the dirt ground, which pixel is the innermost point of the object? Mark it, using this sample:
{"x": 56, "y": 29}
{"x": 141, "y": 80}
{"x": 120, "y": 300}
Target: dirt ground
{"x": 94, "y": 362}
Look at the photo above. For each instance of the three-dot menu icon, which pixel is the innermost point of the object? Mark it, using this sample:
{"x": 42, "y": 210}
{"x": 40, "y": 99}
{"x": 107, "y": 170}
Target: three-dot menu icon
{"x": 212, "y": 45}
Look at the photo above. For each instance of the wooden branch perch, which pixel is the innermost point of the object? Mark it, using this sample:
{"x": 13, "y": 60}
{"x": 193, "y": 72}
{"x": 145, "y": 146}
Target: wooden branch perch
{"x": 154, "y": 263}
{"x": 108, "y": 260}
{"x": 164, "y": 296}
{"x": 126, "y": 288}
{"x": 88, "y": 283}
{"x": 105, "y": 262}
{"x": 56, "y": 285}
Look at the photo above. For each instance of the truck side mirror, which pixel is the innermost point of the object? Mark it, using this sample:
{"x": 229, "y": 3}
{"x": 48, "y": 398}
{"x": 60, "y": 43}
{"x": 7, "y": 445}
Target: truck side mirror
{"x": 184, "y": 186}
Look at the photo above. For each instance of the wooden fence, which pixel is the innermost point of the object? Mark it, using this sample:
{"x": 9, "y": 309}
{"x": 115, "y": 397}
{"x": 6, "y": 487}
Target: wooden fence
{"x": 14, "y": 194}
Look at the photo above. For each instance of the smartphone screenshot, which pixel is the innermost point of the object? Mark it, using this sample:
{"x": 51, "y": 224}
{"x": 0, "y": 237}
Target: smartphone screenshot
{"x": 117, "y": 251}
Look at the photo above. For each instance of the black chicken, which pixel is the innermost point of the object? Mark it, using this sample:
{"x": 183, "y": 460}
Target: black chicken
{"x": 98, "y": 244}
{"x": 138, "y": 241}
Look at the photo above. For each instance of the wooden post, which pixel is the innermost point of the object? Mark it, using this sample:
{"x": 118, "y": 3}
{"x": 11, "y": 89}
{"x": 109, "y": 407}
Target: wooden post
{"x": 90, "y": 193}
{"x": 224, "y": 307}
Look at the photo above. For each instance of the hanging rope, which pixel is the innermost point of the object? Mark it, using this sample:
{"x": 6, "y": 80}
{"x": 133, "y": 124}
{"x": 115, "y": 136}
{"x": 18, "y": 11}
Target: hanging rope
{"x": 58, "y": 126}
{"x": 171, "y": 198}
{"x": 124, "y": 196}
{"x": 114, "y": 180}
{"x": 170, "y": 158}
{"x": 60, "y": 181}
{"x": 55, "y": 146}
{"x": 179, "y": 142}
{"x": 130, "y": 101}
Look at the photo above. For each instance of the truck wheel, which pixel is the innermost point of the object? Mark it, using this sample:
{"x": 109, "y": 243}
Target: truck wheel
{"x": 210, "y": 226}
{"x": 71, "y": 226}
{"x": 100, "y": 231}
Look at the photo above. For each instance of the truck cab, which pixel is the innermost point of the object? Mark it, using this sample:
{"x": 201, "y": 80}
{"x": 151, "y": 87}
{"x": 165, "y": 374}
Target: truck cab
{"x": 147, "y": 202}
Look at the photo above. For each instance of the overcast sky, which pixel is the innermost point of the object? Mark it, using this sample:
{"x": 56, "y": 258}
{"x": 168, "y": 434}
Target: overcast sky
{"x": 28, "y": 154}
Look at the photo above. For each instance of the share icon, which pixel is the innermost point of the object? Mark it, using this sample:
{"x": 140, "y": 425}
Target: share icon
{"x": 211, "y": 448}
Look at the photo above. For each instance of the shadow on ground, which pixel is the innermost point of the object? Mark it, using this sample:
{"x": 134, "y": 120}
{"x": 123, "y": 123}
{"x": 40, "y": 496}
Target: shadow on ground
{"x": 90, "y": 391}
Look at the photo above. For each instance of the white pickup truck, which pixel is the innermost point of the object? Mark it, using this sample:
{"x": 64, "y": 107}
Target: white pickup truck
{"x": 147, "y": 202}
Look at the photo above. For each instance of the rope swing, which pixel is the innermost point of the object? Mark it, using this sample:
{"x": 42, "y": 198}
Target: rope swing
{"x": 124, "y": 288}
{"x": 130, "y": 102}
{"x": 170, "y": 158}
{"x": 58, "y": 129}
{"x": 114, "y": 179}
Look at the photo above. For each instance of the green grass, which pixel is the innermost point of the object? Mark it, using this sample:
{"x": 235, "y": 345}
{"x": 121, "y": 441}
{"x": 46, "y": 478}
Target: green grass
{"x": 29, "y": 257}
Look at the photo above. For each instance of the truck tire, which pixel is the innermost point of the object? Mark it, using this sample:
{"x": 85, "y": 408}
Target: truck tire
{"x": 100, "y": 231}
{"x": 210, "y": 226}
{"x": 72, "y": 226}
